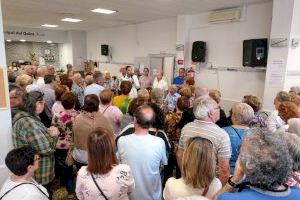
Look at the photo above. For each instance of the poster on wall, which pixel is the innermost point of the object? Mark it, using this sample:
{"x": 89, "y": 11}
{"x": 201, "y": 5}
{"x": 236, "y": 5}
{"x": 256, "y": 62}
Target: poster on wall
{"x": 277, "y": 73}
{"x": 3, "y": 89}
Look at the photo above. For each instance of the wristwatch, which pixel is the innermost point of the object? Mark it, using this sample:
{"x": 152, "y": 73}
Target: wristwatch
{"x": 231, "y": 183}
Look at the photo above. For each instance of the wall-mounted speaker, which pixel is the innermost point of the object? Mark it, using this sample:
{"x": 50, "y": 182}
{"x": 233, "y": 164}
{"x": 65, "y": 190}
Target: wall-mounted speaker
{"x": 199, "y": 51}
{"x": 255, "y": 52}
{"x": 104, "y": 50}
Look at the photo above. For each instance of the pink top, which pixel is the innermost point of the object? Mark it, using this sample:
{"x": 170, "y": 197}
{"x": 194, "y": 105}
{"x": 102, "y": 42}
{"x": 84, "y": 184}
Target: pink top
{"x": 113, "y": 115}
{"x": 292, "y": 182}
{"x": 145, "y": 82}
{"x": 116, "y": 184}
{"x": 57, "y": 107}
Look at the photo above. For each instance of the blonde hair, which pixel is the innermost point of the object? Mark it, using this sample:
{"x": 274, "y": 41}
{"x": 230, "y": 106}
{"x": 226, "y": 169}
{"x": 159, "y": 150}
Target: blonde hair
{"x": 186, "y": 91}
{"x": 215, "y": 95}
{"x": 198, "y": 163}
{"x": 143, "y": 96}
{"x": 24, "y": 80}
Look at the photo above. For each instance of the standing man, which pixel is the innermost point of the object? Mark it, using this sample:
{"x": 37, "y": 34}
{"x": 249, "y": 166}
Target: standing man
{"x": 179, "y": 80}
{"x": 130, "y": 76}
{"x": 145, "y": 79}
{"x": 160, "y": 82}
{"x": 97, "y": 87}
{"x": 144, "y": 153}
{"x": 207, "y": 112}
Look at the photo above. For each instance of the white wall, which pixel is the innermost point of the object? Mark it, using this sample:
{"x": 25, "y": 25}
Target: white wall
{"x": 225, "y": 49}
{"x": 78, "y": 48}
{"x": 5, "y": 116}
{"x": 132, "y": 41}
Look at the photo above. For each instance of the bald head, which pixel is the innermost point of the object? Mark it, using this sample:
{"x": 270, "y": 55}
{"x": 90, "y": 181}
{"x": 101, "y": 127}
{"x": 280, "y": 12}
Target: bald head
{"x": 159, "y": 74}
{"x": 201, "y": 91}
{"x": 144, "y": 116}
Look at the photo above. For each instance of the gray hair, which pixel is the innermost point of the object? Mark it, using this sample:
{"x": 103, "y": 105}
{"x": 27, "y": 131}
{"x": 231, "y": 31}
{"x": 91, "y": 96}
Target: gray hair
{"x": 295, "y": 89}
{"x": 265, "y": 159}
{"x": 201, "y": 91}
{"x": 242, "y": 113}
{"x": 294, "y": 126}
{"x": 157, "y": 95}
{"x": 293, "y": 144}
{"x": 282, "y": 96}
{"x": 98, "y": 76}
{"x": 202, "y": 106}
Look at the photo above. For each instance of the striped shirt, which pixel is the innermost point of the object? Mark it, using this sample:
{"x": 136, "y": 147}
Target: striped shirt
{"x": 210, "y": 131}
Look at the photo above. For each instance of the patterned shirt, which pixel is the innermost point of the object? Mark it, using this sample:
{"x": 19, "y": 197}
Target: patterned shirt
{"x": 28, "y": 130}
{"x": 171, "y": 129}
{"x": 64, "y": 122}
{"x": 171, "y": 101}
{"x": 291, "y": 180}
{"x": 78, "y": 91}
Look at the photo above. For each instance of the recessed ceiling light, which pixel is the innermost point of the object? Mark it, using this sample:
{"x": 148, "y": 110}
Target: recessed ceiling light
{"x": 22, "y": 40}
{"x": 49, "y": 41}
{"x": 71, "y": 20}
{"x": 103, "y": 11}
{"x": 8, "y": 40}
{"x": 50, "y": 25}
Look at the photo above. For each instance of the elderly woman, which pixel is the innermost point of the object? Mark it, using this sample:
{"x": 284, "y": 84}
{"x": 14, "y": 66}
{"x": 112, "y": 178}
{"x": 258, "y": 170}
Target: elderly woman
{"x": 198, "y": 172}
{"x": 24, "y": 80}
{"x": 260, "y": 118}
{"x": 293, "y": 143}
{"x": 86, "y": 122}
{"x": 274, "y": 121}
{"x": 143, "y": 96}
{"x": 288, "y": 110}
{"x": 242, "y": 115}
{"x": 265, "y": 160}
{"x": 28, "y": 130}
{"x": 171, "y": 98}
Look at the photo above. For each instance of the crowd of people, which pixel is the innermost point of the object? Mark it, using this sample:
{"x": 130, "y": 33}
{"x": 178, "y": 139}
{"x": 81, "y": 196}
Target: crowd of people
{"x": 134, "y": 136}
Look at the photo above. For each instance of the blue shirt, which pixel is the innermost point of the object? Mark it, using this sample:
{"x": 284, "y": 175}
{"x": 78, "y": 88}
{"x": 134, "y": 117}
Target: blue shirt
{"x": 144, "y": 154}
{"x": 171, "y": 100}
{"x": 93, "y": 89}
{"x": 236, "y": 138}
{"x": 250, "y": 194}
{"x": 179, "y": 80}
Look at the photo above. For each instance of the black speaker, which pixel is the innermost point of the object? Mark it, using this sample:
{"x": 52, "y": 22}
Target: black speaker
{"x": 199, "y": 51}
{"x": 104, "y": 50}
{"x": 255, "y": 52}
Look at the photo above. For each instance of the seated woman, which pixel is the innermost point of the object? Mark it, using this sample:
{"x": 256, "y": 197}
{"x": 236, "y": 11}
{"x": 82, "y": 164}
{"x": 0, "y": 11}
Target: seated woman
{"x": 242, "y": 115}
{"x": 112, "y": 113}
{"x": 22, "y": 163}
{"x": 260, "y": 117}
{"x": 265, "y": 161}
{"x": 293, "y": 143}
{"x": 122, "y": 101}
{"x": 103, "y": 177}
{"x": 198, "y": 172}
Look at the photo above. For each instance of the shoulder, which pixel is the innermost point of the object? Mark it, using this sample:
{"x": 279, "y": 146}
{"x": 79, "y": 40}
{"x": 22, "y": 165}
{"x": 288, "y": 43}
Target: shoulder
{"x": 83, "y": 171}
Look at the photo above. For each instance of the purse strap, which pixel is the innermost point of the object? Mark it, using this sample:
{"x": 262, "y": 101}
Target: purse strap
{"x": 24, "y": 184}
{"x": 205, "y": 191}
{"x": 98, "y": 187}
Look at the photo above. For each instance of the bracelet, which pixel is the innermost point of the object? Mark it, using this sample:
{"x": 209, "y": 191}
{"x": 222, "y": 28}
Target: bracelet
{"x": 231, "y": 183}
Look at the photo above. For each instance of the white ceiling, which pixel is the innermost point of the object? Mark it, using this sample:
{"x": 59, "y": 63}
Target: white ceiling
{"x": 34, "y": 13}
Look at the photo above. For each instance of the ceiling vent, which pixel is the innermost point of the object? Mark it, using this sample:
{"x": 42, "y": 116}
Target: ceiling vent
{"x": 225, "y": 15}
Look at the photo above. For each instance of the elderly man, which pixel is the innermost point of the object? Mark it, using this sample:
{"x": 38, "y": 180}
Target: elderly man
{"x": 160, "y": 82}
{"x": 51, "y": 69}
{"x": 130, "y": 76}
{"x": 97, "y": 86}
{"x": 145, "y": 79}
{"x": 207, "y": 112}
{"x": 107, "y": 80}
{"x": 144, "y": 153}
{"x": 77, "y": 90}
{"x": 179, "y": 80}
{"x": 29, "y": 70}
{"x": 41, "y": 72}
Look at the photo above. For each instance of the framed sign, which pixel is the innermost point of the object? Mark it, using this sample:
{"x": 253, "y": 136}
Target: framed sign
{"x": 3, "y": 89}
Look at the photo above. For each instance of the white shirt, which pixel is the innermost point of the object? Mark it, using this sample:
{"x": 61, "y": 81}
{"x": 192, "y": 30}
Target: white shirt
{"x": 40, "y": 81}
{"x": 24, "y": 192}
{"x": 135, "y": 85}
{"x": 274, "y": 122}
{"x": 162, "y": 84}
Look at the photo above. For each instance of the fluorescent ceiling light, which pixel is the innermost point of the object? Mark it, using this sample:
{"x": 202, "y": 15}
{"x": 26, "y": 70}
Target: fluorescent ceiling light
{"x": 49, "y": 41}
{"x": 8, "y": 40}
{"x": 50, "y": 25}
{"x": 103, "y": 11}
{"x": 71, "y": 20}
{"x": 22, "y": 40}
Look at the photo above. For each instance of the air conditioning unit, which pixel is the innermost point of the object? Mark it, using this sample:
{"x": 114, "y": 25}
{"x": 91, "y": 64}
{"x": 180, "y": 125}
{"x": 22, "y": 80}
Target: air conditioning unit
{"x": 225, "y": 15}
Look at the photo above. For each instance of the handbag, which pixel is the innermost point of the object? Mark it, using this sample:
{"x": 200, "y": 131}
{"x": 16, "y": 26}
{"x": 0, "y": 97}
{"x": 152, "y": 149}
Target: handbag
{"x": 99, "y": 187}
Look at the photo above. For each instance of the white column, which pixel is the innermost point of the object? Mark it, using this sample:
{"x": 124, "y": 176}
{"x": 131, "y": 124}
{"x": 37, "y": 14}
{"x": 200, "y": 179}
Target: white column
{"x": 5, "y": 116}
{"x": 285, "y": 25}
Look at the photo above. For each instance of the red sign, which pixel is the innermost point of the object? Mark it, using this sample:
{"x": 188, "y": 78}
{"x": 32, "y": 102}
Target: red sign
{"x": 180, "y": 62}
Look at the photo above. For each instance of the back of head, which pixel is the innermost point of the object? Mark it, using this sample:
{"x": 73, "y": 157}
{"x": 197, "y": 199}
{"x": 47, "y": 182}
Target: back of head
{"x": 293, "y": 144}
{"x": 295, "y": 89}
{"x": 242, "y": 114}
{"x": 23, "y": 80}
{"x": 265, "y": 159}
{"x": 101, "y": 151}
{"x": 12, "y": 76}
{"x": 59, "y": 91}
{"x": 49, "y": 78}
{"x": 89, "y": 80}
{"x": 159, "y": 116}
{"x": 106, "y": 96}
{"x": 215, "y": 95}
{"x": 253, "y": 101}
{"x": 18, "y": 160}
{"x": 282, "y": 96}
{"x": 143, "y": 96}
{"x": 294, "y": 126}
{"x": 186, "y": 91}
{"x": 183, "y": 103}
{"x": 288, "y": 110}
{"x": 157, "y": 95}
{"x": 68, "y": 100}
{"x": 201, "y": 91}
{"x": 97, "y": 76}
{"x": 41, "y": 71}
{"x": 29, "y": 101}
{"x": 198, "y": 163}
{"x": 133, "y": 105}
{"x": 91, "y": 103}
{"x": 202, "y": 106}
{"x": 125, "y": 87}
{"x": 189, "y": 80}
{"x": 144, "y": 116}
